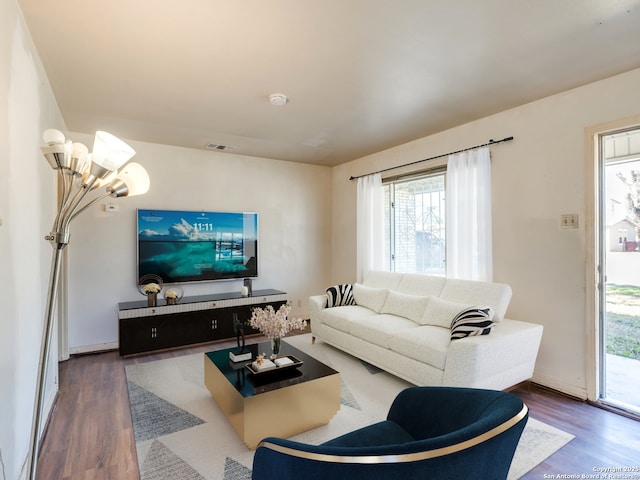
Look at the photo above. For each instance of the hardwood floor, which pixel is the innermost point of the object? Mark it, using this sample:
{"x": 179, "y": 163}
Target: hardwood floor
{"x": 90, "y": 435}
{"x": 602, "y": 438}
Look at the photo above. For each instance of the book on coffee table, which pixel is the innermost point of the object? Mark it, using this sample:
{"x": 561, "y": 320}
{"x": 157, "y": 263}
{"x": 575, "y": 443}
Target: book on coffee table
{"x": 282, "y": 362}
{"x": 263, "y": 366}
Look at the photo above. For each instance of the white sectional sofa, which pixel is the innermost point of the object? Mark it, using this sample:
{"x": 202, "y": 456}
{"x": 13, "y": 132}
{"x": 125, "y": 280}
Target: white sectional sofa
{"x": 402, "y": 324}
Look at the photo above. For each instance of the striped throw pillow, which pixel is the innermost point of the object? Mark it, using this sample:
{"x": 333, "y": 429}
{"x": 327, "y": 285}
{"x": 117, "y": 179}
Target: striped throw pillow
{"x": 472, "y": 321}
{"x": 340, "y": 295}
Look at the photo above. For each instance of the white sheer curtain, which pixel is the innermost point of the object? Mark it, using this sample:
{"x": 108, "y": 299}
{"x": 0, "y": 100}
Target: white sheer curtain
{"x": 468, "y": 215}
{"x": 370, "y": 225}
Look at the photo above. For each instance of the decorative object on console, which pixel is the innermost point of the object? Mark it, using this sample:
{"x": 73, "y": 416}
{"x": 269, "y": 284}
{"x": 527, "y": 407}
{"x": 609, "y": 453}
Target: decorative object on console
{"x": 79, "y": 174}
{"x": 150, "y": 285}
{"x": 152, "y": 290}
{"x": 244, "y": 291}
{"x": 173, "y": 295}
{"x": 275, "y": 324}
{"x": 152, "y": 299}
{"x": 248, "y": 284}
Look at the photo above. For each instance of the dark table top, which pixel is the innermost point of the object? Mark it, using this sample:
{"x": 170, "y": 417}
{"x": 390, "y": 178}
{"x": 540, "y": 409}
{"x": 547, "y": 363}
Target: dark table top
{"x": 249, "y": 384}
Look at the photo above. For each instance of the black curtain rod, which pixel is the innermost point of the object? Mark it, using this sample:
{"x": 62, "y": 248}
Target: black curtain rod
{"x": 491, "y": 142}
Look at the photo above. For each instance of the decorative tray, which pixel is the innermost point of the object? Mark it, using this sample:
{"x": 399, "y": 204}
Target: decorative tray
{"x": 295, "y": 363}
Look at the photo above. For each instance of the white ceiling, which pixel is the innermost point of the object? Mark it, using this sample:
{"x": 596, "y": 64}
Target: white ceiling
{"x": 361, "y": 75}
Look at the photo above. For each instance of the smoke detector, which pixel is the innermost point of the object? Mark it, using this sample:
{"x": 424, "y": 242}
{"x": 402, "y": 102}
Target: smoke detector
{"x": 278, "y": 99}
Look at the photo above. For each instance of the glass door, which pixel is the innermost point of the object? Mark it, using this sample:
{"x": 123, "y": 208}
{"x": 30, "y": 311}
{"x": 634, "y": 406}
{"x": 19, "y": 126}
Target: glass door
{"x": 620, "y": 270}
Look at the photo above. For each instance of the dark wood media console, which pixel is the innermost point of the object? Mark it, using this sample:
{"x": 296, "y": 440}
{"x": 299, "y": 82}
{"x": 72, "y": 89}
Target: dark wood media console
{"x": 194, "y": 320}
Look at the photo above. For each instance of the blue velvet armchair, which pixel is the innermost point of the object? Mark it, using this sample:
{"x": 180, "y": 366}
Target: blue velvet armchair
{"x": 430, "y": 433}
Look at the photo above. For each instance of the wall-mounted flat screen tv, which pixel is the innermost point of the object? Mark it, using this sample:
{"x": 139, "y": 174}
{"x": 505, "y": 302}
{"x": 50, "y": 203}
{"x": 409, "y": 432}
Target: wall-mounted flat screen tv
{"x": 183, "y": 246}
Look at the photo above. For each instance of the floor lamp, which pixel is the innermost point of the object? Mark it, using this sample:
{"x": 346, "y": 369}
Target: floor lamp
{"x": 85, "y": 178}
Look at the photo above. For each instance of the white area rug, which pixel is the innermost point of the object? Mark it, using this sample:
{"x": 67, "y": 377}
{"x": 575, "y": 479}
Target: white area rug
{"x": 181, "y": 434}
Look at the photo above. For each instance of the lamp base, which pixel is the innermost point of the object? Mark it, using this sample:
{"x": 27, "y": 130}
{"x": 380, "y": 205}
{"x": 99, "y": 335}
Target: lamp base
{"x": 240, "y": 357}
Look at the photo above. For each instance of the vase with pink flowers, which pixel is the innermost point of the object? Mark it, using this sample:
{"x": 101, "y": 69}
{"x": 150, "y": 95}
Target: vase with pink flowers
{"x": 275, "y": 324}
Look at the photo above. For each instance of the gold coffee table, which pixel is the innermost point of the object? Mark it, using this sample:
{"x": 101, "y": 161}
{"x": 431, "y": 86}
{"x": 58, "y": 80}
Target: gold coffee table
{"x": 279, "y": 403}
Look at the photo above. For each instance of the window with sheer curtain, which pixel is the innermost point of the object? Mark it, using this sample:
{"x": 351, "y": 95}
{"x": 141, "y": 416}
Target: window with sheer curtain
{"x": 424, "y": 233}
{"x": 469, "y": 248}
{"x": 421, "y": 231}
{"x": 414, "y": 220}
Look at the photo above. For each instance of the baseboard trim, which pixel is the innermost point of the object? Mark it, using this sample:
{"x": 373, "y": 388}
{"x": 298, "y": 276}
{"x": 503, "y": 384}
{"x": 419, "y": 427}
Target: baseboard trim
{"x": 560, "y": 386}
{"x": 101, "y": 347}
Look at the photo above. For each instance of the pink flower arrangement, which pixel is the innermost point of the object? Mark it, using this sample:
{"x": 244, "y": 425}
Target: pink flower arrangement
{"x": 275, "y": 324}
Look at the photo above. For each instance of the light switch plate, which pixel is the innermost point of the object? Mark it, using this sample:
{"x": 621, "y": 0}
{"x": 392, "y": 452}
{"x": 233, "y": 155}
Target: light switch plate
{"x": 569, "y": 220}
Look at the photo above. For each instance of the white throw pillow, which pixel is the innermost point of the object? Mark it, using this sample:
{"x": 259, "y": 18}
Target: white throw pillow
{"x": 441, "y": 312}
{"x": 405, "y": 305}
{"x": 369, "y": 297}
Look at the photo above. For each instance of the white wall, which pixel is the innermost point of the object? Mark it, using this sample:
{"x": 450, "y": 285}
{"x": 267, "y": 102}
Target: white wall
{"x": 294, "y": 207}
{"x": 27, "y": 190}
{"x": 536, "y": 178}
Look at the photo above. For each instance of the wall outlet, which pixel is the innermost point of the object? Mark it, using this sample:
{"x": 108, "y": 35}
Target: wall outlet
{"x": 569, "y": 220}
{"x": 111, "y": 208}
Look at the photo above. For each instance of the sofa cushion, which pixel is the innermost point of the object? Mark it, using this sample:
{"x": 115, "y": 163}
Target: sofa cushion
{"x": 380, "y": 329}
{"x": 421, "y": 284}
{"x": 472, "y": 321}
{"x": 407, "y": 306}
{"x": 470, "y": 292}
{"x": 441, "y": 312}
{"x": 340, "y": 295}
{"x": 426, "y": 344}
{"x": 370, "y": 297}
{"x": 382, "y": 279}
{"x": 341, "y": 318}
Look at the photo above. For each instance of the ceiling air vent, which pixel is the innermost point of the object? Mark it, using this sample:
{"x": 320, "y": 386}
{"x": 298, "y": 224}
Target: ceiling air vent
{"x": 218, "y": 147}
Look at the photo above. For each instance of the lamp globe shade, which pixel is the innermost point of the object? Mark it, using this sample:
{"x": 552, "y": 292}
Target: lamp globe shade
{"x": 52, "y": 136}
{"x": 135, "y": 177}
{"x": 110, "y": 152}
{"x": 79, "y": 158}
